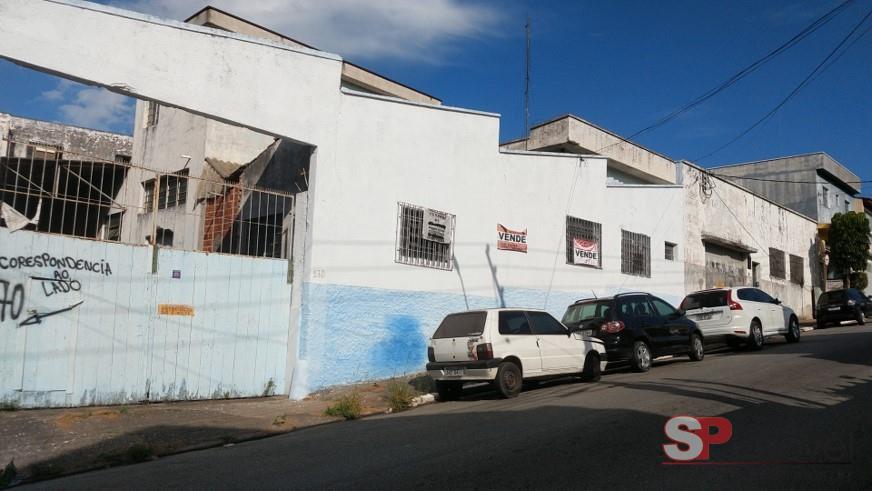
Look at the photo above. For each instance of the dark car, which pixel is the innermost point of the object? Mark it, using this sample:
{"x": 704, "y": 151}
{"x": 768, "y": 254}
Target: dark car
{"x": 842, "y": 305}
{"x": 636, "y": 327}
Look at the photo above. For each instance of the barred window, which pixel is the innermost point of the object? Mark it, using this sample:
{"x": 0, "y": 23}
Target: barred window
{"x": 776, "y": 263}
{"x": 173, "y": 191}
{"x": 796, "y": 270}
{"x": 577, "y": 228}
{"x": 635, "y": 254}
{"x": 669, "y": 253}
{"x": 424, "y": 237}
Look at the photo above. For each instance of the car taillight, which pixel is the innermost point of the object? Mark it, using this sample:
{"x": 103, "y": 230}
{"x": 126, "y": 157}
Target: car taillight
{"x": 431, "y": 355}
{"x": 733, "y": 305}
{"x": 613, "y": 327}
{"x": 484, "y": 351}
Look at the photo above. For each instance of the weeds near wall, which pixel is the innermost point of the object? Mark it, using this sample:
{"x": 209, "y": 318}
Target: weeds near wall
{"x": 400, "y": 396}
{"x": 9, "y": 406}
{"x": 7, "y": 475}
{"x": 348, "y": 407}
{"x": 270, "y": 388}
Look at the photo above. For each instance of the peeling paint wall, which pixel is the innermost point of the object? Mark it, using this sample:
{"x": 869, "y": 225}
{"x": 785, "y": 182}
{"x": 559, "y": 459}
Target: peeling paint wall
{"x": 85, "y": 322}
{"x": 736, "y": 215}
{"x": 76, "y": 143}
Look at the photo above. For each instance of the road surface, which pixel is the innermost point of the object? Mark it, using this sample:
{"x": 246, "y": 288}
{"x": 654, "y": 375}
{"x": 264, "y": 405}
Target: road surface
{"x": 800, "y": 415}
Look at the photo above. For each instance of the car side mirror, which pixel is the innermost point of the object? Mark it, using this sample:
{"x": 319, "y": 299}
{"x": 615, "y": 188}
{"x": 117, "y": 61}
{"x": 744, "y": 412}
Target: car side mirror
{"x": 776, "y": 302}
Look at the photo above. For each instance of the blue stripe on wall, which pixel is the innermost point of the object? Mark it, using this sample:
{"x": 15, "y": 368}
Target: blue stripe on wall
{"x": 352, "y": 333}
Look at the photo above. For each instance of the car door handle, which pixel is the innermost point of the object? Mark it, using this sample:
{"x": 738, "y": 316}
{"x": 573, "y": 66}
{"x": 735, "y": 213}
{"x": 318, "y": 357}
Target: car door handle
{"x": 537, "y": 341}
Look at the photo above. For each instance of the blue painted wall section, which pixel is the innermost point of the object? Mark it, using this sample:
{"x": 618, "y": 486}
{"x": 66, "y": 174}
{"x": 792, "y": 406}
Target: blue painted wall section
{"x": 351, "y": 333}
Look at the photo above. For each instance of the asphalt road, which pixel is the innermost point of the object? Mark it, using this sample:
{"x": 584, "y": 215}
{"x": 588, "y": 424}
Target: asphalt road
{"x": 800, "y": 415}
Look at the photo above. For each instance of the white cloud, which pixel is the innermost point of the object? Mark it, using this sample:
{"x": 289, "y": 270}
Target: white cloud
{"x": 91, "y": 107}
{"x": 413, "y": 30}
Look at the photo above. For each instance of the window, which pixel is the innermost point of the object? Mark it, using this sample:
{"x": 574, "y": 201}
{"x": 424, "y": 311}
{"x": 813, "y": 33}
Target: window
{"x": 461, "y": 325}
{"x": 173, "y": 191}
{"x": 576, "y": 228}
{"x": 424, "y": 237}
{"x": 825, "y": 197}
{"x": 776, "y": 263}
{"x": 514, "y": 323}
{"x": 44, "y": 151}
{"x": 584, "y": 312}
{"x": 635, "y": 254}
{"x": 164, "y": 237}
{"x": 113, "y": 227}
{"x": 152, "y": 114}
{"x": 634, "y": 307}
{"x": 762, "y": 296}
{"x": 702, "y": 300}
{"x": 543, "y": 323}
{"x": 747, "y": 294}
{"x": 670, "y": 251}
{"x": 122, "y": 159}
{"x": 662, "y": 308}
{"x": 796, "y": 273}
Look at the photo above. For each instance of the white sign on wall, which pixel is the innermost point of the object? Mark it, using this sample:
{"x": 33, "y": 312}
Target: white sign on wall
{"x": 437, "y": 226}
{"x": 585, "y": 252}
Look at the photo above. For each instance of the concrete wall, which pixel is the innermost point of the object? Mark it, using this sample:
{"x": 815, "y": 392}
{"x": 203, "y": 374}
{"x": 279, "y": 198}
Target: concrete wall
{"x": 109, "y": 343}
{"x": 805, "y": 194}
{"x": 734, "y": 214}
{"x": 76, "y": 143}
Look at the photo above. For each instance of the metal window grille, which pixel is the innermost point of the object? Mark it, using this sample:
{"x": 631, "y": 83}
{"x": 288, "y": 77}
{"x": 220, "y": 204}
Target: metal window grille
{"x": 412, "y": 246}
{"x": 577, "y": 228}
{"x": 776, "y": 263}
{"x": 103, "y": 200}
{"x": 796, "y": 270}
{"x": 44, "y": 151}
{"x": 635, "y": 254}
{"x": 669, "y": 253}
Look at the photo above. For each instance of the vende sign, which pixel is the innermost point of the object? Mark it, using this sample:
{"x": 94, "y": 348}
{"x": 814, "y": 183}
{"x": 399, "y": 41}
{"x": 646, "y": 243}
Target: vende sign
{"x": 585, "y": 252}
{"x": 511, "y": 240}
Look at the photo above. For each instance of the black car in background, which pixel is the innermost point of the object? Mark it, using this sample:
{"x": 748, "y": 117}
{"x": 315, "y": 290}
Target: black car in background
{"x": 842, "y": 305}
{"x": 636, "y": 327}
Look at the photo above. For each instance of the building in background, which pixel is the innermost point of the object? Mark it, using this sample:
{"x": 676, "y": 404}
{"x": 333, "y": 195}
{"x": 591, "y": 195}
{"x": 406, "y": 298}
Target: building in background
{"x": 32, "y": 138}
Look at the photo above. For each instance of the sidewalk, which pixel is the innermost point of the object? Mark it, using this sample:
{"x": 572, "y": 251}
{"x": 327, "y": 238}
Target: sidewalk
{"x": 48, "y": 443}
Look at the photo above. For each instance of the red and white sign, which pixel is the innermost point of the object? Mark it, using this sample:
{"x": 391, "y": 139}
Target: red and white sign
{"x": 585, "y": 252}
{"x": 691, "y": 437}
{"x": 511, "y": 240}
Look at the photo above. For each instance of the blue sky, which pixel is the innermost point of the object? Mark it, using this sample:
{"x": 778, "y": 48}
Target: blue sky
{"x": 619, "y": 64}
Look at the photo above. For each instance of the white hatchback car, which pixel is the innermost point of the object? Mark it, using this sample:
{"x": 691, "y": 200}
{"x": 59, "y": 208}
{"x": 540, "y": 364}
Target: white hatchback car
{"x": 506, "y": 347}
{"x": 740, "y": 315}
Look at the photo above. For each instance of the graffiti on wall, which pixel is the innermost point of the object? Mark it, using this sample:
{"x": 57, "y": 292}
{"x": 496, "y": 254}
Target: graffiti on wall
{"x": 57, "y": 283}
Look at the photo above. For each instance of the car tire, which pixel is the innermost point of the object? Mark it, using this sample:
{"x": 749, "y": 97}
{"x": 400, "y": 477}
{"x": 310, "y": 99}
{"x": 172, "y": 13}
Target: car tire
{"x": 820, "y": 325}
{"x": 793, "y": 331}
{"x": 640, "y": 359}
{"x": 755, "y": 337}
{"x": 509, "y": 380}
{"x": 592, "y": 371}
{"x": 449, "y": 390}
{"x": 697, "y": 348}
{"x": 861, "y": 319}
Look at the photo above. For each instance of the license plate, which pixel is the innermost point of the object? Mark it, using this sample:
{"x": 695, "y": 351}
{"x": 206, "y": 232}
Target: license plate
{"x": 453, "y": 372}
{"x": 587, "y": 332}
{"x": 703, "y": 317}
{"x": 834, "y": 308}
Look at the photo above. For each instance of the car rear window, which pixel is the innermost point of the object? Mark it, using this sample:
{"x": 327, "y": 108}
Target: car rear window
{"x": 584, "y": 312}
{"x": 461, "y": 325}
{"x": 702, "y": 300}
{"x": 833, "y": 297}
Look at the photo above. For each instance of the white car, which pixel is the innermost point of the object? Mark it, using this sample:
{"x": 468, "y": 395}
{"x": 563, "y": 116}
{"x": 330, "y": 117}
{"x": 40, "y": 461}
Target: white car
{"x": 740, "y": 315}
{"x": 506, "y": 347}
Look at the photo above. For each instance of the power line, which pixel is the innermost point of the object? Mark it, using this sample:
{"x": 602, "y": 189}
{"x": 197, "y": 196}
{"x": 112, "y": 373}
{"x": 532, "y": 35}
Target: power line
{"x": 818, "y": 69}
{"x": 786, "y": 181}
{"x": 814, "y": 26}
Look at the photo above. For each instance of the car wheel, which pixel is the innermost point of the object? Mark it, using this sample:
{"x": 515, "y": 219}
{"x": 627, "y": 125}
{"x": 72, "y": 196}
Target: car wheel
{"x": 697, "y": 350}
{"x": 448, "y": 390}
{"x": 591, "y": 371}
{"x": 641, "y": 358}
{"x": 793, "y": 331}
{"x": 861, "y": 320}
{"x": 755, "y": 339}
{"x": 820, "y": 325}
{"x": 509, "y": 380}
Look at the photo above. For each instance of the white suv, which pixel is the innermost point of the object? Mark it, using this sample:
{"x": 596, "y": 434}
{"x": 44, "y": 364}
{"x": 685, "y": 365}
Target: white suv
{"x": 507, "y": 346}
{"x": 740, "y": 314}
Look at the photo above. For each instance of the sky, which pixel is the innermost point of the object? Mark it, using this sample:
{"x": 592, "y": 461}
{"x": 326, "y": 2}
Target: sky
{"x": 621, "y": 64}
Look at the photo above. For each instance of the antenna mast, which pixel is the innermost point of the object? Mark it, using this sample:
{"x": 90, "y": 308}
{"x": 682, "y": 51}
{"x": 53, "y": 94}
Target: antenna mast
{"x": 527, "y": 88}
